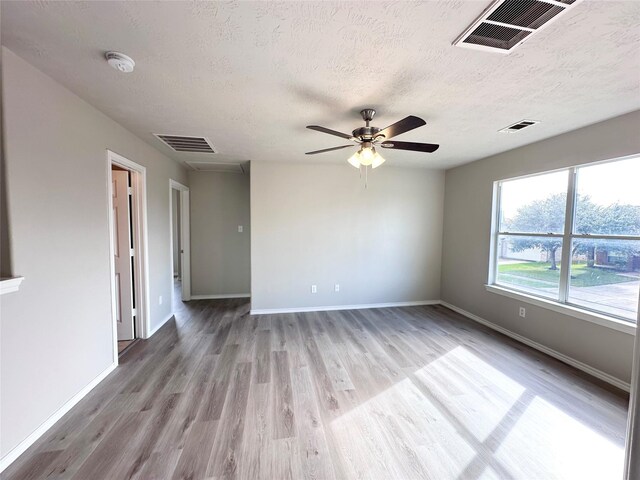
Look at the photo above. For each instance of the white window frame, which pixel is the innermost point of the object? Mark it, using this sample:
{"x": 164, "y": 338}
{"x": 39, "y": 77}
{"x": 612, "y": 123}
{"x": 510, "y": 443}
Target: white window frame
{"x": 561, "y": 303}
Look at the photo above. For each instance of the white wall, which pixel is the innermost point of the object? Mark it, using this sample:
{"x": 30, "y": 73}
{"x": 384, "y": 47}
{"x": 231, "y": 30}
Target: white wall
{"x": 467, "y": 229}
{"x": 220, "y": 255}
{"x": 56, "y": 332}
{"x": 317, "y": 224}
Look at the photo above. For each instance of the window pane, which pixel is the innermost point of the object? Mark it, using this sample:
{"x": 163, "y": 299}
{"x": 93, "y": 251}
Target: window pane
{"x": 608, "y": 199}
{"x": 531, "y": 264}
{"x": 534, "y": 204}
{"x": 605, "y": 276}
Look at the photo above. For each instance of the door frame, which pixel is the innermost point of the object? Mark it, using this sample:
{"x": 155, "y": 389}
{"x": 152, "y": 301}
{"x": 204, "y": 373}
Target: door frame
{"x": 185, "y": 242}
{"x": 632, "y": 446}
{"x": 140, "y": 245}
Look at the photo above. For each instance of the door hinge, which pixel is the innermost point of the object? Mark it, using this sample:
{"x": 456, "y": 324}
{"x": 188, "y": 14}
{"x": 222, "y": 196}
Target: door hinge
{"x": 133, "y": 312}
{"x": 132, "y": 252}
{"x": 130, "y": 190}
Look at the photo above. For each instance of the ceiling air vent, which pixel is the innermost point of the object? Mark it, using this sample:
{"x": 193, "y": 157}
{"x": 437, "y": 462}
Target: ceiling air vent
{"x": 518, "y": 126}
{"x": 182, "y": 143}
{"x": 218, "y": 167}
{"x": 508, "y": 23}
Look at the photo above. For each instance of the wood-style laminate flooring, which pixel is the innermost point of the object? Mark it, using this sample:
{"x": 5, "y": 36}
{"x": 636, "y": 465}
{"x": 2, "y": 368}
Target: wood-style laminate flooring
{"x": 396, "y": 393}
{"x": 124, "y": 344}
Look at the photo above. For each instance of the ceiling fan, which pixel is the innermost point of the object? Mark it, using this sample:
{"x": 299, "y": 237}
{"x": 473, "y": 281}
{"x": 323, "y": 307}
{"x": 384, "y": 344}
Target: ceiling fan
{"x": 369, "y": 137}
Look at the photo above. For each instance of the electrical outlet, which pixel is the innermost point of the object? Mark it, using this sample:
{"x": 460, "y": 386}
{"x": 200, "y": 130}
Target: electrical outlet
{"x": 337, "y": 287}
{"x": 523, "y": 312}
{"x": 314, "y": 289}
{"x": 240, "y": 228}
{"x": 160, "y": 300}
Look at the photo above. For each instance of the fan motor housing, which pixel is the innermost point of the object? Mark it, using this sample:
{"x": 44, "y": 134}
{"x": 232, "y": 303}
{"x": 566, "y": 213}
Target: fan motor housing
{"x": 366, "y": 132}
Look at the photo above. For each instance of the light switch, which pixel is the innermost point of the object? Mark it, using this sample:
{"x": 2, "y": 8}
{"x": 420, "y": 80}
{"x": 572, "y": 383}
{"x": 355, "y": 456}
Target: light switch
{"x": 240, "y": 228}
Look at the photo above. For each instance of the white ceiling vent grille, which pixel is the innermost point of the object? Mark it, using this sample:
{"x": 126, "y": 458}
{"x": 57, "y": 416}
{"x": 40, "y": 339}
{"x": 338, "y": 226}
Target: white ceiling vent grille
{"x": 217, "y": 167}
{"x": 508, "y": 23}
{"x": 516, "y": 127}
{"x": 182, "y": 143}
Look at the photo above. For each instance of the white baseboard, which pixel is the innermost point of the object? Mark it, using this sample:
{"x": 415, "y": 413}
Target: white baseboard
{"x": 19, "y": 449}
{"x": 217, "y": 297}
{"x": 327, "y": 308}
{"x": 9, "y": 285}
{"x": 158, "y": 327}
{"x": 544, "y": 349}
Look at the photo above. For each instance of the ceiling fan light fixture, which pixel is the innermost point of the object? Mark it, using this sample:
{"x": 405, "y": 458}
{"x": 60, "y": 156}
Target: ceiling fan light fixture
{"x": 377, "y": 160}
{"x": 368, "y": 136}
{"x": 355, "y": 160}
{"x": 367, "y": 155}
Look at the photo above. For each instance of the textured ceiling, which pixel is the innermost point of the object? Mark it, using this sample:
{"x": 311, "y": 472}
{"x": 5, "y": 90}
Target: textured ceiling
{"x": 250, "y": 75}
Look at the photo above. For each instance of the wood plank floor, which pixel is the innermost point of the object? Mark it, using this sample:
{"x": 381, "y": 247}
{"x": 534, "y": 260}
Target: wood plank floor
{"x": 124, "y": 344}
{"x": 398, "y": 393}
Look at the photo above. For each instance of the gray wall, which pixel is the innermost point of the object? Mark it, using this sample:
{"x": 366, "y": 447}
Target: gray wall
{"x": 220, "y": 255}
{"x": 56, "y": 332}
{"x": 467, "y": 229}
{"x": 317, "y": 224}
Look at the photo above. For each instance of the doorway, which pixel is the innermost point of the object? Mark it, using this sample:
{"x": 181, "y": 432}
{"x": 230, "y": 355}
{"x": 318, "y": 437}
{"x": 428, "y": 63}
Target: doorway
{"x": 123, "y": 257}
{"x": 127, "y": 228}
{"x": 180, "y": 242}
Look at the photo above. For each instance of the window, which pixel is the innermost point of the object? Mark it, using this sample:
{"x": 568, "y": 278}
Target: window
{"x": 572, "y": 236}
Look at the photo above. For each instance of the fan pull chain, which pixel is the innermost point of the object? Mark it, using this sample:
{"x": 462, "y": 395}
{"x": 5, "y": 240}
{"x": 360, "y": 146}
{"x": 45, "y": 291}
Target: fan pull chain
{"x": 366, "y": 170}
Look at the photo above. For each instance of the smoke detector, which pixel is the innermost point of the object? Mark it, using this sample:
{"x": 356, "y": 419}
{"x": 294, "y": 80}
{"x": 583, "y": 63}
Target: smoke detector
{"x": 120, "y": 61}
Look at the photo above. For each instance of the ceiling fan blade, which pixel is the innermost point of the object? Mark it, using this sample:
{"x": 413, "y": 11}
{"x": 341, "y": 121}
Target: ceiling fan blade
{"x": 402, "y": 126}
{"x": 329, "y": 131}
{"x": 330, "y": 149}
{"x": 413, "y": 146}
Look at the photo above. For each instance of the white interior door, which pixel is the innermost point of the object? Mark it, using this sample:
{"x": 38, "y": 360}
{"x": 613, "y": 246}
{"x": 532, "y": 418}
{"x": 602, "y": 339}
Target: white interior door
{"x": 122, "y": 252}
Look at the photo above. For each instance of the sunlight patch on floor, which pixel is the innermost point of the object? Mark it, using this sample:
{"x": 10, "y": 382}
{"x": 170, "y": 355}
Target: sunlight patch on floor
{"x": 475, "y": 393}
{"x": 405, "y": 433}
{"x": 558, "y": 444}
{"x": 490, "y": 474}
{"x": 459, "y": 417}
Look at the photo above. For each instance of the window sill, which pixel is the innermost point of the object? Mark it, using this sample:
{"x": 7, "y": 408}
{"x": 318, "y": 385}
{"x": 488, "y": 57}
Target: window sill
{"x": 603, "y": 320}
{"x": 9, "y": 285}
